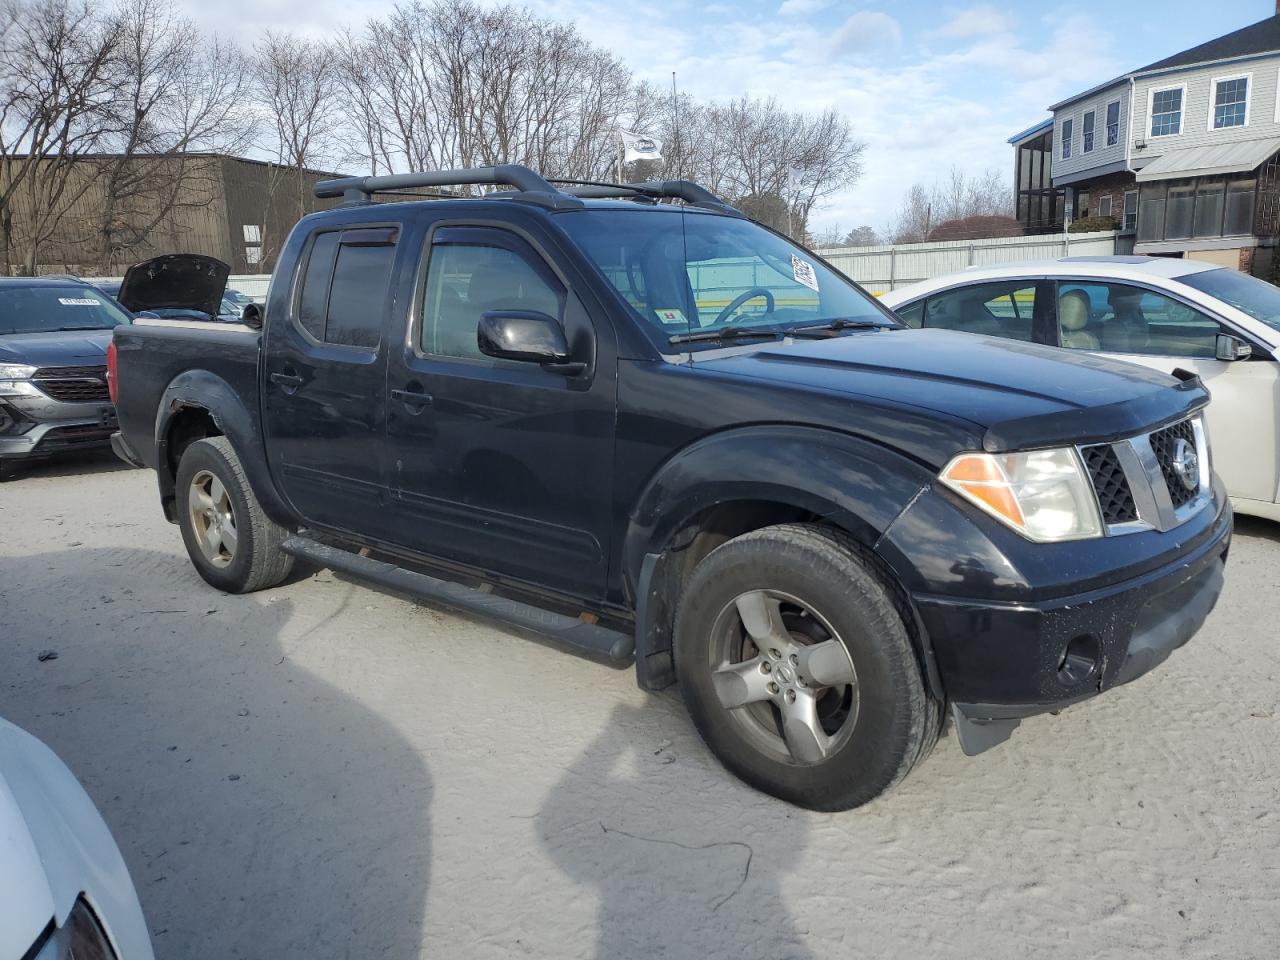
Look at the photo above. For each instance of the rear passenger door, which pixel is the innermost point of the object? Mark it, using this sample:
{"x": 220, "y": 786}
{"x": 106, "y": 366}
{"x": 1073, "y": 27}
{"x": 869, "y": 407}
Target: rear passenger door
{"x": 324, "y": 389}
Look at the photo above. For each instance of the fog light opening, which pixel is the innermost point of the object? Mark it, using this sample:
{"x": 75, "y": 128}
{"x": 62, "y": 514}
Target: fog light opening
{"x": 1080, "y": 660}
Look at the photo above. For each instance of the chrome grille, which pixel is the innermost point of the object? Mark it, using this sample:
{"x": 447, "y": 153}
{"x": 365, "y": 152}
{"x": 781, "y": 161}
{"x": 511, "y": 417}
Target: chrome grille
{"x": 1138, "y": 481}
{"x": 74, "y": 384}
{"x": 1115, "y": 498}
{"x": 1164, "y": 444}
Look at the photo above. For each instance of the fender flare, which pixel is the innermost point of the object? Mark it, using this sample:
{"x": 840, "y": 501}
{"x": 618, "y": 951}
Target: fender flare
{"x": 849, "y": 482}
{"x": 202, "y": 390}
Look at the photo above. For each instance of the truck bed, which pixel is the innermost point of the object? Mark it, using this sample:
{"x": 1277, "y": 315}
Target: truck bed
{"x": 152, "y": 354}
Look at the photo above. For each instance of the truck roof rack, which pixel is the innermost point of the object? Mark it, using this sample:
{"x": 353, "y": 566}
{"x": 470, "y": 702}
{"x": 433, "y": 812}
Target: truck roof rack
{"x": 691, "y": 193}
{"x": 526, "y": 185}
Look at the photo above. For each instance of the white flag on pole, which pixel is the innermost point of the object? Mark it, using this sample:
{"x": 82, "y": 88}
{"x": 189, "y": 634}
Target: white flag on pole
{"x": 639, "y": 146}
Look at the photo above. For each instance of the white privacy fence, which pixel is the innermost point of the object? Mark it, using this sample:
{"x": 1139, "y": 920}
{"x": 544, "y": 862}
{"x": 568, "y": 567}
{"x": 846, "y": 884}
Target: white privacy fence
{"x": 879, "y": 269}
{"x": 882, "y": 268}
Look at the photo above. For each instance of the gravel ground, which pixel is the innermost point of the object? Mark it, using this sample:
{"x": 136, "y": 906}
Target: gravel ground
{"x": 326, "y": 771}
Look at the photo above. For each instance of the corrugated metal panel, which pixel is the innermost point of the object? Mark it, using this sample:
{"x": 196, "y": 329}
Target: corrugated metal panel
{"x": 1207, "y": 161}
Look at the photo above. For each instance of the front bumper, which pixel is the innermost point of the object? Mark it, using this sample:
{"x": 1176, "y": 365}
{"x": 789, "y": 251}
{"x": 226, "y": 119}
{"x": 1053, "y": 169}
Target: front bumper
{"x": 1000, "y": 662}
{"x": 39, "y": 425}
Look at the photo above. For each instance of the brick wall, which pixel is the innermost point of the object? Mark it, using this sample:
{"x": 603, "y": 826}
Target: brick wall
{"x": 1113, "y": 185}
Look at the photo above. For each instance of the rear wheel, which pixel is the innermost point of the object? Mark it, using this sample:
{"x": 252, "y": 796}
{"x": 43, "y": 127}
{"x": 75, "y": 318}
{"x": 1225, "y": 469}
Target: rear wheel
{"x": 798, "y": 669}
{"x": 232, "y": 544}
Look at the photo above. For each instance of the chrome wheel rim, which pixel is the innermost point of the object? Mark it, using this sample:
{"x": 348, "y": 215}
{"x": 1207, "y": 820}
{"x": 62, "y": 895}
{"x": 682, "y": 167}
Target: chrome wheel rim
{"x": 212, "y": 520}
{"x": 784, "y": 676}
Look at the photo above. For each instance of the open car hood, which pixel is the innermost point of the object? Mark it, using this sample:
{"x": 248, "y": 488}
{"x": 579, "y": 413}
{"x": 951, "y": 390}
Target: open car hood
{"x": 183, "y": 281}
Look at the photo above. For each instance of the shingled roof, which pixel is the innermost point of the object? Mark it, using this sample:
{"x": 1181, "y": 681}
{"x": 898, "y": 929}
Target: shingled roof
{"x": 1260, "y": 37}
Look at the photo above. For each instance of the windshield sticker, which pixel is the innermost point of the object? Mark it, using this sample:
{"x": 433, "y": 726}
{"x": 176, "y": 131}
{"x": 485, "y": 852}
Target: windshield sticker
{"x": 672, "y": 316}
{"x": 802, "y": 270}
{"x": 78, "y": 301}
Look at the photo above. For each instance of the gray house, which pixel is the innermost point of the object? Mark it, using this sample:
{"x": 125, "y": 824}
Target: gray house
{"x": 1182, "y": 153}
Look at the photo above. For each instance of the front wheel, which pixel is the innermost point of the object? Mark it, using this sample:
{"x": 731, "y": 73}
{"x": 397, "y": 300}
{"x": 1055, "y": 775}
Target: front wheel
{"x": 798, "y": 669}
{"x": 233, "y": 545}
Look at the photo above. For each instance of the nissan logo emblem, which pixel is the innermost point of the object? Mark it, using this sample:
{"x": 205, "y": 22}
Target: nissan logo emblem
{"x": 1186, "y": 464}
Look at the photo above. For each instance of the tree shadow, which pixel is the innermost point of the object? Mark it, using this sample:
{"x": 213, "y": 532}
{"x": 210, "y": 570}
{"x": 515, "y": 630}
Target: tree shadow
{"x": 680, "y": 870}
{"x": 263, "y": 811}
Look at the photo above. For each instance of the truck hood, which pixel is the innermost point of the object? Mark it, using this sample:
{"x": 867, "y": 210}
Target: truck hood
{"x": 1020, "y": 394}
{"x": 56, "y": 348}
{"x": 181, "y": 281}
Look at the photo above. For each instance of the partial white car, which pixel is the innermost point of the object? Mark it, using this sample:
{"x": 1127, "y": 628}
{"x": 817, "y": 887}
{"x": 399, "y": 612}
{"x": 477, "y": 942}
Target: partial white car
{"x": 1163, "y": 313}
{"x": 65, "y": 893}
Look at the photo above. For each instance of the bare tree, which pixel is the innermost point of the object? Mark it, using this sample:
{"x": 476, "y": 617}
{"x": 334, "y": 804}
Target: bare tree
{"x": 56, "y": 89}
{"x": 959, "y": 197}
{"x": 178, "y": 93}
{"x": 296, "y": 86}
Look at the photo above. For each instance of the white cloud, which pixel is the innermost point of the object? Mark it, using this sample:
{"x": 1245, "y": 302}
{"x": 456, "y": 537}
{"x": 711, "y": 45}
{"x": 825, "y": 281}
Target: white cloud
{"x": 868, "y": 30}
{"x": 793, "y": 8}
{"x": 976, "y": 22}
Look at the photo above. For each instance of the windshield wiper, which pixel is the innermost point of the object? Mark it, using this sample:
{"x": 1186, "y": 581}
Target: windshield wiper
{"x": 838, "y": 323}
{"x": 723, "y": 333}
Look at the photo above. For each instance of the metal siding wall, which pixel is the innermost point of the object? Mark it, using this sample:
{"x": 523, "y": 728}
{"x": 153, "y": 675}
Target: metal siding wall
{"x": 1102, "y": 154}
{"x": 1195, "y": 111}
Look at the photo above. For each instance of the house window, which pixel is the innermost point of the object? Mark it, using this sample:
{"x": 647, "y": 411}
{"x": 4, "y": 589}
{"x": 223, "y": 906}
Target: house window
{"x": 1239, "y": 209}
{"x": 1230, "y": 102}
{"x": 1166, "y": 112}
{"x": 1086, "y": 131}
{"x": 252, "y": 233}
{"x": 1201, "y": 208}
{"x": 1104, "y": 205}
{"x": 252, "y": 255}
{"x": 1066, "y": 139}
{"x": 1082, "y": 204}
{"x": 1113, "y": 123}
{"x": 1130, "y": 222}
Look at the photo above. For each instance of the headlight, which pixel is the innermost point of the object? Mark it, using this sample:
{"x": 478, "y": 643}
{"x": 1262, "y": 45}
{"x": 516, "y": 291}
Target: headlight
{"x": 16, "y": 371}
{"x": 1045, "y": 495}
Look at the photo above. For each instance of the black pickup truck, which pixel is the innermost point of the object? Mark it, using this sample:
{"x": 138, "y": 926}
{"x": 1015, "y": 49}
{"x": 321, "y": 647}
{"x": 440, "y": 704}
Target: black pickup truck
{"x": 627, "y": 418}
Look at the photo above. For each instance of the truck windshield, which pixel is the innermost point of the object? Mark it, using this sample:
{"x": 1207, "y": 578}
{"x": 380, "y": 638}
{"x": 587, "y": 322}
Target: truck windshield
{"x": 1255, "y": 297}
{"x": 48, "y": 309}
{"x": 685, "y": 272}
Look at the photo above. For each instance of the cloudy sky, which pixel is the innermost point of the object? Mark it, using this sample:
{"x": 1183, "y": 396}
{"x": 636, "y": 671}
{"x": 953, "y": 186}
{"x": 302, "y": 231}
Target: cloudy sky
{"x": 926, "y": 84}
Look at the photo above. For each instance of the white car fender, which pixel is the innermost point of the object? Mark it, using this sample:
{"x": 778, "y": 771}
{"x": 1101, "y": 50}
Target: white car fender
{"x": 55, "y": 846}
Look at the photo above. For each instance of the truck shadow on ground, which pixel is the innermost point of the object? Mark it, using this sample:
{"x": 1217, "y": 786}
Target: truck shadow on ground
{"x": 679, "y": 870}
{"x": 263, "y": 812}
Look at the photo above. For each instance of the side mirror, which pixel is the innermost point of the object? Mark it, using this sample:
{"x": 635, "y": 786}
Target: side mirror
{"x": 526, "y": 335}
{"x": 251, "y": 316}
{"x": 1232, "y": 348}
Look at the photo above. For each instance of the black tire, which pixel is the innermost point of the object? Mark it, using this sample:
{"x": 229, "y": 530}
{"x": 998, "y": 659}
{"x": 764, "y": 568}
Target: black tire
{"x": 257, "y": 561}
{"x": 9, "y": 470}
{"x": 896, "y": 722}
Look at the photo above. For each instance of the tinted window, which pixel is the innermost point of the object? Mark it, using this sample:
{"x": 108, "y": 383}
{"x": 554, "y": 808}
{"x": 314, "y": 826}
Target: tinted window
{"x": 344, "y": 286}
{"x": 1119, "y": 318}
{"x": 465, "y": 280}
{"x": 912, "y": 314}
{"x": 314, "y": 299}
{"x": 358, "y": 297}
{"x": 1000, "y": 309}
{"x": 32, "y": 309}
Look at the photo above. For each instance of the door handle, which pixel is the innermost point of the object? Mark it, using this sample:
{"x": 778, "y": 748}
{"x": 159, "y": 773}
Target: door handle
{"x": 411, "y": 398}
{"x": 287, "y": 380}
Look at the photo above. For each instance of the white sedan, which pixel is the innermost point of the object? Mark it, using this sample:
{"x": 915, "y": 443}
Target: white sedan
{"x": 64, "y": 889}
{"x": 1162, "y": 313}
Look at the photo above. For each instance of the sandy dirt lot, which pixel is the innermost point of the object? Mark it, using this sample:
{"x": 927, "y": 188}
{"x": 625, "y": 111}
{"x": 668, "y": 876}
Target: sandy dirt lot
{"x": 326, "y": 771}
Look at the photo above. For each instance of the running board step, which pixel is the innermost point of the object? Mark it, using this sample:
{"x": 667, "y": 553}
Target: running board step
{"x": 590, "y": 639}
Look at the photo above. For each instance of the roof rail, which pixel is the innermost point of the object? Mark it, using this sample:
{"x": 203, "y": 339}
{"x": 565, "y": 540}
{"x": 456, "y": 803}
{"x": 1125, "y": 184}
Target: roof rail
{"x": 692, "y": 193}
{"x": 528, "y": 185}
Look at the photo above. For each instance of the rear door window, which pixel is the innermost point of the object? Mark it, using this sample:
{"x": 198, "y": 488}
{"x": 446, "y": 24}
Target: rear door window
{"x": 345, "y": 286}
{"x": 1003, "y": 308}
